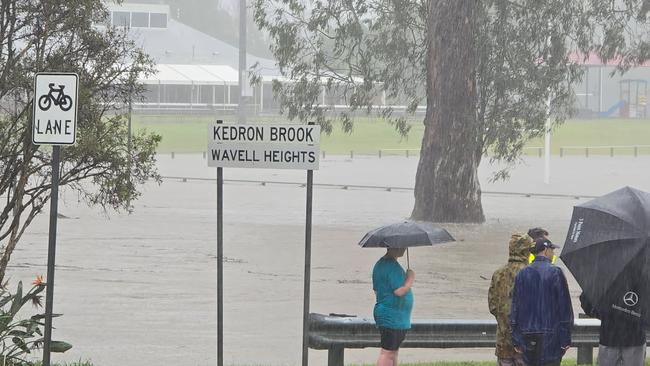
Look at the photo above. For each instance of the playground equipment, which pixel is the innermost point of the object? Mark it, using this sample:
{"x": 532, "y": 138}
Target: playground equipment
{"x": 633, "y": 92}
{"x": 620, "y": 105}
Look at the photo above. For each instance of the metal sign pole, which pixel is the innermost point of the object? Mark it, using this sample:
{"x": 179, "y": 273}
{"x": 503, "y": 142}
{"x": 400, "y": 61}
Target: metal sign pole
{"x": 219, "y": 265}
{"x": 49, "y": 296}
{"x": 305, "y": 314}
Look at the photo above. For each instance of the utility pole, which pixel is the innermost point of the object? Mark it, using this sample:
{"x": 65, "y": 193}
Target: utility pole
{"x": 547, "y": 143}
{"x": 243, "y": 80}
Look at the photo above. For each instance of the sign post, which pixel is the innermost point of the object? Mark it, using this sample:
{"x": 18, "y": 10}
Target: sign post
{"x": 271, "y": 147}
{"x": 220, "y": 264}
{"x": 307, "y": 277}
{"x": 54, "y": 123}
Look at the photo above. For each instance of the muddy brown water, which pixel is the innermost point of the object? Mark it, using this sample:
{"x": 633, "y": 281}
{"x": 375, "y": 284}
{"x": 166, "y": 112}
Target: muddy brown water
{"x": 140, "y": 289}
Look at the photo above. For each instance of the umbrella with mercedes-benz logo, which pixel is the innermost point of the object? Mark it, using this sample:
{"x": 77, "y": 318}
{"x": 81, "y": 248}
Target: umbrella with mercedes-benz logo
{"x": 607, "y": 251}
{"x": 631, "y": 298}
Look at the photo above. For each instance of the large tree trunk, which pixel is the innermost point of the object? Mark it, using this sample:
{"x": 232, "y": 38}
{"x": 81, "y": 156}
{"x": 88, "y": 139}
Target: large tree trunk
{"x": 447, "y": 188}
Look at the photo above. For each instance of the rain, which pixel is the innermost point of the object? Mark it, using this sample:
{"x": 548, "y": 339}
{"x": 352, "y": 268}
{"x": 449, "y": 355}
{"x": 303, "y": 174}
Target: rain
{"x": 287, "y": 182}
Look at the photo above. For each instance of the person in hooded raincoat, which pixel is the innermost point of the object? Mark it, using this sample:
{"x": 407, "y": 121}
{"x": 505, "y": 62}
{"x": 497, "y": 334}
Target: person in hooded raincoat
{"x": 500, "y": 298}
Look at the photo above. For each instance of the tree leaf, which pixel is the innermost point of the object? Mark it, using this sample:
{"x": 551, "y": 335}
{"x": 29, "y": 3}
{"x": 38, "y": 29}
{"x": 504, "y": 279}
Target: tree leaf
{"x": 17, "y": 301}
{"x": 21, "y": 344}
{"x": 59, "y": 346}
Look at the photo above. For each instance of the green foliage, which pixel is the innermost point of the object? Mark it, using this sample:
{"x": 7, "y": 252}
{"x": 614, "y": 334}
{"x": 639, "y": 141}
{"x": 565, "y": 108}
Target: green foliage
{"x": 19, "y": 337}
{"x": 355, "y": 50}
{"x": 527, "y": 51}
{"x": 528, "y": 55}
{"x": 64, "y": 36}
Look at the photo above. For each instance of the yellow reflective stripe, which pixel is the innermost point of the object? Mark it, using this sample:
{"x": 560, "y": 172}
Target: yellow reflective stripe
{"x": 531, "y": 258}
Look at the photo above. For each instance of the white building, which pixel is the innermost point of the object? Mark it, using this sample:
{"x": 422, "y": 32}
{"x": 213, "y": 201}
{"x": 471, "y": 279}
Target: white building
{"x": 195, "y": 71}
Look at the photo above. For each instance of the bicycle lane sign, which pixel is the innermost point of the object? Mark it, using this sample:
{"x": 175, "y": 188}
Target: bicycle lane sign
{"x": 55, "y": 109}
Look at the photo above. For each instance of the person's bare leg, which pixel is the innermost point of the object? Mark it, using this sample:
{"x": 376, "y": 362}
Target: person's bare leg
{"x": 387, "y": 358}
{"x": 395, "y": 359}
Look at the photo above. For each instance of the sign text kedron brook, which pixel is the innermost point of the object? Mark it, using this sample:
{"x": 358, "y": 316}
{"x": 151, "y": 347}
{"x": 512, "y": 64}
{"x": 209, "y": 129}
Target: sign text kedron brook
{"x": 288, "y": 134}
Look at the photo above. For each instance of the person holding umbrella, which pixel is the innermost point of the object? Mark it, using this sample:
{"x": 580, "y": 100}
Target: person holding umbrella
{"x": 392, "y": 312}
{"x": 607, "y": 249}
{"x": 392, "y": 284}
{"x": 541, "y": 316}
{"x": 622, "y": 340}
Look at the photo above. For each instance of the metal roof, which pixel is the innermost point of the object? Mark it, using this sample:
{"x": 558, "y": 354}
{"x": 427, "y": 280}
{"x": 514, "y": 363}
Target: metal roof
{"x": 170, "y": 74}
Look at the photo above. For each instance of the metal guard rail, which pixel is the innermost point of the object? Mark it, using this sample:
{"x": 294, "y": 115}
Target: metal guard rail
{"x": 335, "y": 333}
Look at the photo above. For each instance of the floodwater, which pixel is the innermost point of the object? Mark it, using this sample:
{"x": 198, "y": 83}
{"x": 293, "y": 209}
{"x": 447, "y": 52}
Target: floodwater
{"x": 140, "y": 289}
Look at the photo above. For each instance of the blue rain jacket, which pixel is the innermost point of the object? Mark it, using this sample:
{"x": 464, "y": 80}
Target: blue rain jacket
{"x": 541, "y": 311}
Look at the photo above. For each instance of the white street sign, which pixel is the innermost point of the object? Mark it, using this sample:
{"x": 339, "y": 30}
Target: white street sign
{"x": 264, "y": 146}
{"x": 55, "y": 109}
{"x": 270, "y": 156}
{"x": 287, "y": 134}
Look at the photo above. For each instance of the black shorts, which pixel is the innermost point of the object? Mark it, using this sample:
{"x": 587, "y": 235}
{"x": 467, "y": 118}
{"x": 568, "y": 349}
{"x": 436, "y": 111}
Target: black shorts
{"x": 391, "y": 339}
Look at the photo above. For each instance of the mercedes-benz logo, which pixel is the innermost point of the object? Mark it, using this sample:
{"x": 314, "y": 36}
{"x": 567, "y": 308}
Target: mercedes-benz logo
{"x": 630, "y": 298}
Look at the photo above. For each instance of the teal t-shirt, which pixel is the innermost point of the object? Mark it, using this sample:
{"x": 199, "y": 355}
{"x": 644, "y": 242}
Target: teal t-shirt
{"x": 391, "y": 311}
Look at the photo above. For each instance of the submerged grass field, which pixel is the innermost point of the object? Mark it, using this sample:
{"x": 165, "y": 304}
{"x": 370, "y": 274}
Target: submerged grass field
{"x": 186, "y": 134}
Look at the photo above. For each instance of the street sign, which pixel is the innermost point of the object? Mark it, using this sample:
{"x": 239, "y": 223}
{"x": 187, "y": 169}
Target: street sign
{"x": 55, "y": 109}
{"x": 264, "y": 146}
{"x": 54, "y": 123}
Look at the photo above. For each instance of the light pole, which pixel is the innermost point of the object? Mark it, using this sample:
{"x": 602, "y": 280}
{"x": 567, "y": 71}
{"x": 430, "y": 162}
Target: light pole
{"x": 242, "y": 62}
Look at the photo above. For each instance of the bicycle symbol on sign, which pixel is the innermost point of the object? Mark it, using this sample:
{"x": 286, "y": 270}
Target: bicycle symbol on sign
{"x": 63, "y": 101}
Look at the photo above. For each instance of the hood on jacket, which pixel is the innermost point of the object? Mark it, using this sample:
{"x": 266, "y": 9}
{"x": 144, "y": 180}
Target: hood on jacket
{"x": 519, "y": 247}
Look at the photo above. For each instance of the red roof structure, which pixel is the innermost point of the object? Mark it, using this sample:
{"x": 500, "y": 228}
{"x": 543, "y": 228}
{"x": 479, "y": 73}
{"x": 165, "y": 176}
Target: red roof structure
{"x": 594, "y": 60}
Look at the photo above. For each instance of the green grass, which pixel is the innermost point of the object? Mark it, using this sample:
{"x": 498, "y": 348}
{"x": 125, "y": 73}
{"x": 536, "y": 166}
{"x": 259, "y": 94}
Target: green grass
{"x": 78, "y": 363}
{"x": 565, "y": 362}
{"x": 604, "y": 132}
{"x": 184, "y": 134}
{"x": 442, "y": 363}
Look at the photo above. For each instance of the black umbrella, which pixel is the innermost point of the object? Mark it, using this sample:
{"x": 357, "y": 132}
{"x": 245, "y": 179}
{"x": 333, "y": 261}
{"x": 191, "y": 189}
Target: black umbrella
{"x": 406, "y": 234}
{"x": 606, "y": 249}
